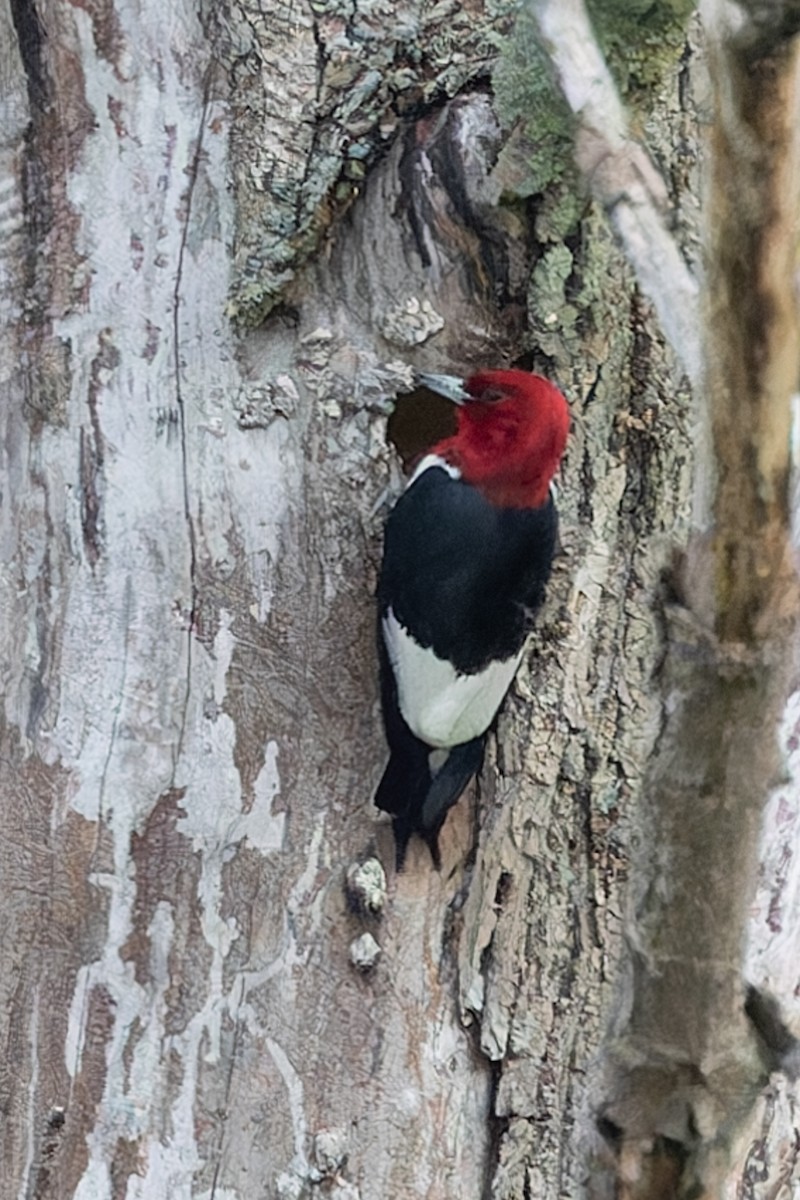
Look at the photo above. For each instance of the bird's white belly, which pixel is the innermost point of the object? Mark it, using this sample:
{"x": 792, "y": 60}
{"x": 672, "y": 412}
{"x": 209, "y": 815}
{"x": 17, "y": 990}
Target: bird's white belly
{"x": 441, "y": 707}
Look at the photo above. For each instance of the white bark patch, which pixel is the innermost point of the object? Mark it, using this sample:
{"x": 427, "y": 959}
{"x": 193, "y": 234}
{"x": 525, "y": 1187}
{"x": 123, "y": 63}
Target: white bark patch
{"x": 131, "y": 716}
{"x": 295, "y": 1104}
{"x": 263, "y": 829}
{"x": 774, "y": 937}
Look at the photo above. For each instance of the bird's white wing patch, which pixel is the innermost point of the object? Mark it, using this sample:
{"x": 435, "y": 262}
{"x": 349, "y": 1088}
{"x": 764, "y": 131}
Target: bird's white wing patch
{"x": 441, "y": 707}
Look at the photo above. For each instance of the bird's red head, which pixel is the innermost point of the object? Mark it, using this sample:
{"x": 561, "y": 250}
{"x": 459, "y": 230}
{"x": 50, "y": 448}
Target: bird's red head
{"x": 511, "y": 436}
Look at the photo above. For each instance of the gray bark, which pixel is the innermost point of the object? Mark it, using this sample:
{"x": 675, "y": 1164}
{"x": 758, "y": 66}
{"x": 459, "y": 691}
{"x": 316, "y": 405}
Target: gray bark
{"x": 228, "y": 241}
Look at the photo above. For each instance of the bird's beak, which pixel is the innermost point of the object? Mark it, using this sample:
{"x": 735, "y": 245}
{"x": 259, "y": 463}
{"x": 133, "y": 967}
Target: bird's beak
{"x": 449, "y": 386}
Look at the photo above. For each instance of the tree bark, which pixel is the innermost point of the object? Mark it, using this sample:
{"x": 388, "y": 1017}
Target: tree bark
{"x": 229, "y": 240}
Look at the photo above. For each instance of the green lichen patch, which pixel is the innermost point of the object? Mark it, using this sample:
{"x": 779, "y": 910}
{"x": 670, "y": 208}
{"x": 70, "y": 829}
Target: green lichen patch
{"x": 642, "y": 40}
{"x": 525, "y": 90}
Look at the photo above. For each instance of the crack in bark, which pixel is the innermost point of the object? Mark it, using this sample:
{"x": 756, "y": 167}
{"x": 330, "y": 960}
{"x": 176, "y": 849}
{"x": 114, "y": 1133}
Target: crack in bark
{"x": 181, "y": 407}
{"x": 497, "y": 1125}
{"x": 117, "y": 709}
{"x": 92, "y": 451}
{"x": 237, "y": 1030}
{"x": 30, "y": 38}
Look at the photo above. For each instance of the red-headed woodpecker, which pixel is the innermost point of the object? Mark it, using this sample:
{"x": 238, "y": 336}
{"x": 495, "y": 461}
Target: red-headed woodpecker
{"x": 467, "y": 553}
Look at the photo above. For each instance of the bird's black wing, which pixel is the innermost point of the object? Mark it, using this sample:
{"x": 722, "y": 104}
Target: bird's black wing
{"x": 461, "y": 574}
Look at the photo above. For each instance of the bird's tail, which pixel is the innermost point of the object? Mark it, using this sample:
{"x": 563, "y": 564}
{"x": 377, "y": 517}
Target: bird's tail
{"x": 419, "y": 788}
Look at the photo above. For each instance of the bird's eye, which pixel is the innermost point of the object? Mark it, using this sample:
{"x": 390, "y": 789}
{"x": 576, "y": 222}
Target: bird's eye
{"x": 490, "y": 395}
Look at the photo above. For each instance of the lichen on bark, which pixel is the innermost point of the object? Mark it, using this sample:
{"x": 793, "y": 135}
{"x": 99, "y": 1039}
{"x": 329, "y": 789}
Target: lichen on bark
{"x": 320, "y": 92}
{"x": 641, "y": 40}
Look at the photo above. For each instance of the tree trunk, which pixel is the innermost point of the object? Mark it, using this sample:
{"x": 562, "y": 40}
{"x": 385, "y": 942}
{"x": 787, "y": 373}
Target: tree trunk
{"x": 229, "y": 240}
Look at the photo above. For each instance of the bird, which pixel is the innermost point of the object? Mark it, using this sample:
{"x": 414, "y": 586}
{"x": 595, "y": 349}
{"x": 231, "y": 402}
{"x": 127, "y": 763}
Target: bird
{"x": 468, "y": 550}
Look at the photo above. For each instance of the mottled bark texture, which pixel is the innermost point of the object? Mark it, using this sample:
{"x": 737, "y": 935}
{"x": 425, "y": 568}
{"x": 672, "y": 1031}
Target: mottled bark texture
{"x": 202, "y": 993}
{"x": 695, "y": 1046}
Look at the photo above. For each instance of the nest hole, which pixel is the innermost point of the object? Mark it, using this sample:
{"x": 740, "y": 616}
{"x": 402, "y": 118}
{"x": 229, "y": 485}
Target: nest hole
{"x": 420, "y": 420}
